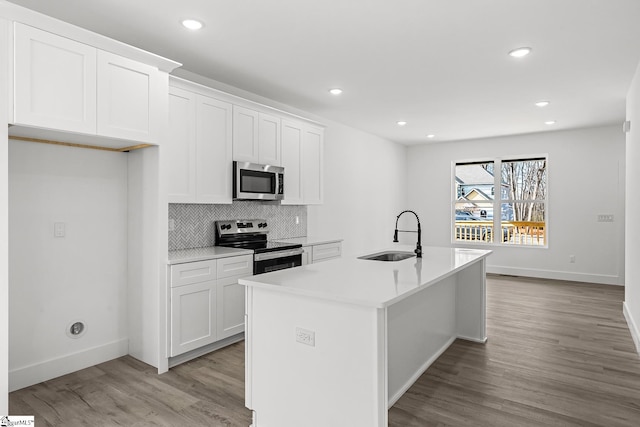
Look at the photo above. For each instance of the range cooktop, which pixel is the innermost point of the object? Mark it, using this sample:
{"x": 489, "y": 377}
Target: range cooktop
{"x": 249, "y": 234}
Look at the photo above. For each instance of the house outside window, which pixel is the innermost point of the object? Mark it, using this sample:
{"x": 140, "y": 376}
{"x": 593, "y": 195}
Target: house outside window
{"x": 514, "y": 215}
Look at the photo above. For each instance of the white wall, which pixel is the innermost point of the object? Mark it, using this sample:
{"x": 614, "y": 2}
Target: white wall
{"x": 632, "y": 252}
{"x": 586, "y": 178}
{"x": 364, "y": 189}
{"x": 53, "y": 280}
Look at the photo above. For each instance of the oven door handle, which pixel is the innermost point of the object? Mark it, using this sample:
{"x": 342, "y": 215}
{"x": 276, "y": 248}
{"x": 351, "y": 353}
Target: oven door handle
{"x": 277, "y": 254}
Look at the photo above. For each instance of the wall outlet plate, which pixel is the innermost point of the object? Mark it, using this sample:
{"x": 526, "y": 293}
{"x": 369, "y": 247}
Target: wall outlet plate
{"x": 306, "y": 336}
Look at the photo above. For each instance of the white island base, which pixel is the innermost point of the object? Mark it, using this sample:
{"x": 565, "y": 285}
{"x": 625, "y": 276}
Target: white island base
{"x": 338, "y": 343}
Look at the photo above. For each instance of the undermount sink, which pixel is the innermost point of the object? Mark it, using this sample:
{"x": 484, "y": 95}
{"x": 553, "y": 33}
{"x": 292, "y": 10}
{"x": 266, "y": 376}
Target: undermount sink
{"x": 388, "y": 256}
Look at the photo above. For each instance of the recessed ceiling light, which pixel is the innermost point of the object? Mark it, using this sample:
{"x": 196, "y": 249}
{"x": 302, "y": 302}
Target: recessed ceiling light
{"x": 542, "y": 103}
{"x": 550, "y": 122}
{"x": 401, "y": 123}
{"x": 430, "y": 136}
{"x": 192, "y": 24}
{"x": 335, "y": 91}
{"x": 520, "y": 52}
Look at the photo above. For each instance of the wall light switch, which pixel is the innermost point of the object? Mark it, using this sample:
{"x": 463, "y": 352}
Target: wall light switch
{"x": 59, "y": 229}
{"x": 172, "y": 224}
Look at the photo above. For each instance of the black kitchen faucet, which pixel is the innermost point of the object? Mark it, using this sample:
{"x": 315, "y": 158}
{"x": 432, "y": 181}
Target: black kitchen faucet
{"x": 418, "y": 250}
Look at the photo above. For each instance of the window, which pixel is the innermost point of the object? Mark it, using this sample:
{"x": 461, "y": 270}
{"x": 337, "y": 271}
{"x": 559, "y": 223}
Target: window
{"x": 501, "y": 201}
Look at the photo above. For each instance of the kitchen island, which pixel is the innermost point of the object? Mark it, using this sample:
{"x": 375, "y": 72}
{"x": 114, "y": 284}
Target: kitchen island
{"x": 338, "y": 343}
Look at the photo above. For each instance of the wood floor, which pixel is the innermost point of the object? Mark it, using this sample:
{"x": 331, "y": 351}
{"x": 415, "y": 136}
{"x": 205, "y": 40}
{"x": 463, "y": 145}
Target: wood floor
{"x": 559, "y": 354}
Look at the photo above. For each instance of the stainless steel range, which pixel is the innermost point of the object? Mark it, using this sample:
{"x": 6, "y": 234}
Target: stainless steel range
{"x": 252, "y": 234}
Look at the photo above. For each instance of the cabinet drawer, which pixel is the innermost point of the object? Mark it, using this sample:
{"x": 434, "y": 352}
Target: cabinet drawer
{"x": 235, "y": 266}
{"x": 192, "y": 272}
{"x": 326, "y": 251}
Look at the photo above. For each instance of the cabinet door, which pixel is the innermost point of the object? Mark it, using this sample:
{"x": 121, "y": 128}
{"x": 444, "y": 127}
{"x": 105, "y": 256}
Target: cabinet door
{"x": 213, "y": 150}
{"x": 312, "y": 159}
{"x": 130, "y": 104}
{"x": 230, "y": 294}
{"x": 269, "y": 128}
{"x": 179, "y": 149}
{"x": 292, "y": 135}
{"x": 55, "y": 81}
{"x": 245, "y": 135}
{"x": 230, "y": 313}
{"x": 193, "y": 319}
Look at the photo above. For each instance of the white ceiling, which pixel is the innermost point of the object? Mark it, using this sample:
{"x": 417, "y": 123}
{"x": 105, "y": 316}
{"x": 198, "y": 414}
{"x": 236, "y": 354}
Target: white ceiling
{"x": 441, "y": 65}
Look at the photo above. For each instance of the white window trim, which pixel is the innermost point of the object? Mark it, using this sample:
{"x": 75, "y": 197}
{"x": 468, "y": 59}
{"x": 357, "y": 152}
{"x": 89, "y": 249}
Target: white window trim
{"x": 497, "y": 202}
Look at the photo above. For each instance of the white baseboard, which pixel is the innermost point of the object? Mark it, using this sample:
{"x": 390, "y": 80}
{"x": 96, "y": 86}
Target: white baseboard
{"x": 49, "y": 369}
{"x": 602, "y": 279}
{"x": 633, "y": 326}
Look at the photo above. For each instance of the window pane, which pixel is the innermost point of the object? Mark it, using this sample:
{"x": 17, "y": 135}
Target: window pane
{"x": 475, "y": 193}
{"x": 475, "y": 181}
{"x": 473, "y": 221}
{"x": 524, "y": 180}
{"x": 532, "y": 232}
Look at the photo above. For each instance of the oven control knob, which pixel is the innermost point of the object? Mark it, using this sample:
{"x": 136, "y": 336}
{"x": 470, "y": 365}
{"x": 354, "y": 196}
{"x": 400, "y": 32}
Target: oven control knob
{"x": 262, "y": 225}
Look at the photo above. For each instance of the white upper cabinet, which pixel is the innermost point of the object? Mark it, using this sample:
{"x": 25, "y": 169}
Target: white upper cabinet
{"x": 256, "y": 137}
{"x": 180, "y": 147}
{"x": 65, "y": 85}
{"x": 246, "y": 145}
{"x": 198, "y": 150}
{"x": 312, "y": 163}
{"x": 54, "y": 81}
{"x": 302, "y": 158}
{"x": 269, "y": 137}
{"x": 213, "y": 150}
{"x": 128, "y": 95}
{"x": 291, "y": 156}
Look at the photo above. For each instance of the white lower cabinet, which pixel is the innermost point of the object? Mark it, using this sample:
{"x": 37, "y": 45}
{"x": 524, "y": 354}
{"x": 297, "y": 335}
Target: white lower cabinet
{"x": 207, "y": 303}
{"x": 230, "y": 313}
{"x": 326, "y": 251}
{"x": 193, "y": 320}
{"x": 321, "y": 252}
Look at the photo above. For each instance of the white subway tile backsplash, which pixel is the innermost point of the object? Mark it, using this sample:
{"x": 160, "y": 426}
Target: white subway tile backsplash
{"x": 194, "y": 223}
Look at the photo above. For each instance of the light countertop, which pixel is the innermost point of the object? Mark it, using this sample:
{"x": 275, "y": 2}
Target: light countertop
{"x": 309, "y": 240}
{"x": 203, "y": 254}
{"x": 368, "y": 282}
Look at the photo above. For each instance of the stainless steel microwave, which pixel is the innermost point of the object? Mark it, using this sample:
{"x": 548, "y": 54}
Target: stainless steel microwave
{"x": 252, "y": 181}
